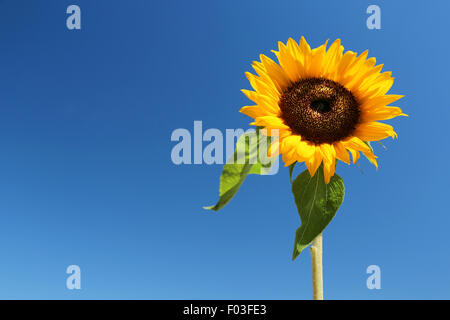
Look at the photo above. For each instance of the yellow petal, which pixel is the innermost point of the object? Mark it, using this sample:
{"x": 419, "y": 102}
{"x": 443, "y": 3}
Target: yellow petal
{"x": 329, "y": 158}
{"x": 341, "y": 152}
{"x": 327, "y": 152}
{"x": 355, "y": 154}
{"x": 314, "y": 162}
{"x": 381, "y": 113}
{"x": 357, "y": 144}
{"x": 275, "y": 72}
{"x": 328, "y": 170}
{"x": 374, "y": 131}
{"x": 380, "y": 101}
{"x": 267, "y": 103}
{"x": 305, "y": 151}
{"x": 261, "y": 86}
{"x": 270, "y": 122}
{"x": 287, "y": 62}
{"x": 253, "y": 111}
{"x": 333, "y": 57}
{"x": 372, "y": 158}
{"x": 315, "y": 69}
{"x": 287, "y": 149}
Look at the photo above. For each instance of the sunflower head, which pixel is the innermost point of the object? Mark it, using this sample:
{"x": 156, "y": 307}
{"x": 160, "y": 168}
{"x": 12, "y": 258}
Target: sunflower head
{"x": 323, "y": 103}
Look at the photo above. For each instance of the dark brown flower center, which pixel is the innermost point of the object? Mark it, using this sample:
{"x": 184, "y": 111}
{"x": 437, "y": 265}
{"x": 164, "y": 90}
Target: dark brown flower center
{"x": 319, "y": 110}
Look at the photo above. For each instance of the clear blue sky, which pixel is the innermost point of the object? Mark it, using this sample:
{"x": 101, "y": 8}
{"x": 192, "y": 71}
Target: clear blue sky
{"x": 86, "y": 176}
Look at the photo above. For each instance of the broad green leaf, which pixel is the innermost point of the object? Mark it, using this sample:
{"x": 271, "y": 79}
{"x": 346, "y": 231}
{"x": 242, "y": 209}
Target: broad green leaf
{"x": 317, "y": 204}
{"x": 250, "y": 157}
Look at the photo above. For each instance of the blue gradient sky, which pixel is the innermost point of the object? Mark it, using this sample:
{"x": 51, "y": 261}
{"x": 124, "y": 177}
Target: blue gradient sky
{"x": 86, "y": 176}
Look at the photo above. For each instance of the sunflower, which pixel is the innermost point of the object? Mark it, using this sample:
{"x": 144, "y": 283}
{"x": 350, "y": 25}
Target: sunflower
{"x": 323, "y": 102}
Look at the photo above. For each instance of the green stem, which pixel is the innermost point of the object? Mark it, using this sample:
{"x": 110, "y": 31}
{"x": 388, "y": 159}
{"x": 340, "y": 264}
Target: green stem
{"x": 316, "y": 256}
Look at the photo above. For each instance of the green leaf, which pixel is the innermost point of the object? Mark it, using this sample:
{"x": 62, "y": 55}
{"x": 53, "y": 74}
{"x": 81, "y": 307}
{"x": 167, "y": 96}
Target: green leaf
{"x": 317, "y": 204}
{"x": 251, "y": 148}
